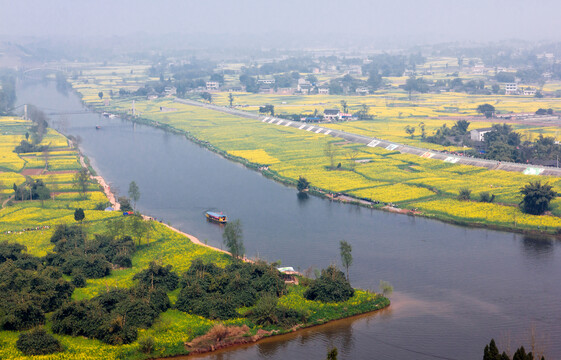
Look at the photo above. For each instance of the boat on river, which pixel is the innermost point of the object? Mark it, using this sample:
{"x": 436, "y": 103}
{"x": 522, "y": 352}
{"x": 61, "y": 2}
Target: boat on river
{"x": 216, "y": 217}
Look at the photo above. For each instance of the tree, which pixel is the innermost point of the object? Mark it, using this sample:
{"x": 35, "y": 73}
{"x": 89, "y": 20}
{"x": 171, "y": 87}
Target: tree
{"x": 303, "y": 184}
{"x": 231, "y": 99}
{"x": 81, "y": 180}
{"x": 134, "y": 193}
{"x": 536, "y": 197}
{"x": 100, "y": 94}
{"x": 331, "y": 286}
{"x": 267, "y": 109}
{"x": 344, "y": 106}
{"x": 486, "y": 109}
{"x": 79, "y": 214}
{"x": 346, "y": 256}
{"x": 233, "y": 238}
{"x": 332, "y": 354}
{"x": 207, "y": 96}
{"x": 330, "y": 151}
{"x": 125, "y": 203}
{"x": 461, "y": 127}
{"x": 423, "y": 132}
{"x": 385, "y": 288}
{"x": 410, "y": 130}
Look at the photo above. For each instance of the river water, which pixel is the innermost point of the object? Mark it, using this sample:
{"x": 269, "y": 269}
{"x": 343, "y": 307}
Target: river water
{"x": 455, "y": 287}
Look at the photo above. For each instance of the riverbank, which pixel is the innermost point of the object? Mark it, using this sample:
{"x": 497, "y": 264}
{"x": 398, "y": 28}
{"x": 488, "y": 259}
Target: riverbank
{"x": 411, "y": 201}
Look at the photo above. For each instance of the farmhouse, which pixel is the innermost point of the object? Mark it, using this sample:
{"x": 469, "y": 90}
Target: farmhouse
{"x": 511, "y": 89}
{"x": 479, "y": 134}
{"x": 212, "y": 85}
{"x": 323, "y": 91}
{"x": 331, "y": 114}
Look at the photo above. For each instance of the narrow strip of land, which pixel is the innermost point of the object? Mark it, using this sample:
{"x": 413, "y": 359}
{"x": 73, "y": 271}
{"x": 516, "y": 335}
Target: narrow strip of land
{"x": 388, "y": 145}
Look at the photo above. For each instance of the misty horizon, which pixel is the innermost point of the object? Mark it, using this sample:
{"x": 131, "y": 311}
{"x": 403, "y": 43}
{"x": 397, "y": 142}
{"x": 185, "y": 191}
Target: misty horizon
{"x": 284, "y": 23}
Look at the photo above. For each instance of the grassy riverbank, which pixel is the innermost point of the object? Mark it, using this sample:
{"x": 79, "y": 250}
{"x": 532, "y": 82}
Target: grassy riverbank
{"x": 409, "y": 182}
{"x": 32, "y": 223}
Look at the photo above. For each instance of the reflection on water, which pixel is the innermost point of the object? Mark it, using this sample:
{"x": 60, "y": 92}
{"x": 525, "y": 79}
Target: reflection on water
{"x": 456, "y": 287}
{"x": 538, "y": 247}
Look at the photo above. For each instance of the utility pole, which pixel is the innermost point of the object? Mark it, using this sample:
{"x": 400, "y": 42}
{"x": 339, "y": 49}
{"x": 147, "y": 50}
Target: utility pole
{"x": 25, "y": 112}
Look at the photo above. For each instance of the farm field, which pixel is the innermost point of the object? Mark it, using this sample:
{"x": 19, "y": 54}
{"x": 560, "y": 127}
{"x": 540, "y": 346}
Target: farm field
{"x": 32, "y": 223}
{"x": 370, "y": 173}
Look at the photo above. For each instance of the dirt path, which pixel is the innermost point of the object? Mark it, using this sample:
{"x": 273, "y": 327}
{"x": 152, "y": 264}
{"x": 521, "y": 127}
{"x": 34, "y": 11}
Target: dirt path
{"x": 6, "y": 201}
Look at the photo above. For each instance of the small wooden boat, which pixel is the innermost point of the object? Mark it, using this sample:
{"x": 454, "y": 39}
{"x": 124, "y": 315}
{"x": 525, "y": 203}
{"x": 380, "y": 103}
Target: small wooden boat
{"x": 216, "y": 217}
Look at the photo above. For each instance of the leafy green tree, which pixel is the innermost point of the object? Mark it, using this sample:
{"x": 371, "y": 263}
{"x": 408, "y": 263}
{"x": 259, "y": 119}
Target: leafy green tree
{"x": 79, "y": 214}
{"x": 536, "y": 197}
{"x": 302, "y": 184}
{"x": 231, "y": 99}
{"x": 491, "y": 352}
{"x": 207, "y": 96}
{"x": 331, "y": 286}
{"x": 100, "y": 94}
{"x": 486, "y": 109}
{"x": 460, "y": 127}
{"x": 385, "y": 288}
{"x": 233, "y": 238}
{"x": 410, "y": 130}
{"x": 157, "y": 276}
{"x": 125, "y": 203}
{"x": 344, "y": 106}
{"x": 81, "y": 181}
{"x": 346, "y": 255}
{"x": 330, "y": 151}
{"x": 134, "y": 193}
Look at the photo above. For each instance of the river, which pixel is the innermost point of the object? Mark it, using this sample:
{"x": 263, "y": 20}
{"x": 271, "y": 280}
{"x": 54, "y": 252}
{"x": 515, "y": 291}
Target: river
{"x": 455, "y": 287}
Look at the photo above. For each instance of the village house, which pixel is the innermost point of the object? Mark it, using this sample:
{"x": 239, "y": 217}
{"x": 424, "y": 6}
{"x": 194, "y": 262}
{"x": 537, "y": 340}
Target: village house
{"x": 266, "y": 81}
{"x": 479, "y": 134}
{"x": 529, "y": 92}
{"x": 170, "y": 90}
{"x": 212, "y": 85}
{"x": 323, "y": 91}
{"x": 362, "y": 91}
{"x": 511, "y": 88}
{"x": 330, "y": 114}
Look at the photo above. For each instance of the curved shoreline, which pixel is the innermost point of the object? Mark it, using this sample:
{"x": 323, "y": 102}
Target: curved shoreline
{"x": 250, "y": 341}
{"x": 326, "y": 194}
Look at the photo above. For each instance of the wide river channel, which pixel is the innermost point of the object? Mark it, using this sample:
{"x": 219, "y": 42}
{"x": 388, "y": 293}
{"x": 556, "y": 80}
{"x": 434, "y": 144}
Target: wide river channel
{"x": 455, "y": 287}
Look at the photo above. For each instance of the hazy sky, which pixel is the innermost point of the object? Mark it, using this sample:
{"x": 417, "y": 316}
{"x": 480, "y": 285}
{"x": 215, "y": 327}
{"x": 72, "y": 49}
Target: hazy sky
{"x": 428, "y": 20}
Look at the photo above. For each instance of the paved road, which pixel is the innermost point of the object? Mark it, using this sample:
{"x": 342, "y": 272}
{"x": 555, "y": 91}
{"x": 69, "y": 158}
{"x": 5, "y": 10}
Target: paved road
{"x": 388, "y": 145}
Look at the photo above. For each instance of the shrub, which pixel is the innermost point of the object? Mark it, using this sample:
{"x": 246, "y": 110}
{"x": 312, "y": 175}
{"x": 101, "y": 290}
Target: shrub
{"x": 38, "y": 342}
{"x": 331, "y": 286}
{"x": 146, "y": 345}
{"x": 486, "y": 197}
{"x": 267, "y": 312}
{"x": 464, "y": 194}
